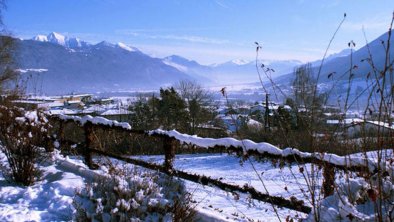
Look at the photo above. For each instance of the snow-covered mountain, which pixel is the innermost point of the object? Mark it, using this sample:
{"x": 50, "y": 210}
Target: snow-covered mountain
{"x": 73, "y": 65}
{"x": 201, "y": 72}
{"x": 76, "y": 65}
{"x": 340, "y": 63}
{"x": 234, "y": 62}
{"x": 56, "y": 38}
{"x": 335, "y": 73}
{"x": 181, "y": 63}
{"x": 343, "y": 53}
{"x": 234, "y": 71}
{"x": 243, "y": 71}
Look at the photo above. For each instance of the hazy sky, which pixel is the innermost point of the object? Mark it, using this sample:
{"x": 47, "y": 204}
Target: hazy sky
{"x": 208, "y": 31}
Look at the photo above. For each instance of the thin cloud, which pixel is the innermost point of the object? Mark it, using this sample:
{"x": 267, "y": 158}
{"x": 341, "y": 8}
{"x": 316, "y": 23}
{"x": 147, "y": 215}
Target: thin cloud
{"x": 204, "y": 55}
{"x": 184, "y": 38}
{"x": 163, "y": 30}
{"x": 195, "y": 39}
{"x": 222, "y": 4}
{"x": 209, "y": 55}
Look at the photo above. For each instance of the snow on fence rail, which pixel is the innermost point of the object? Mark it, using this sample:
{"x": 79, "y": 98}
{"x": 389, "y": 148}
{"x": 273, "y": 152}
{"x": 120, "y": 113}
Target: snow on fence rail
{"x": 95, "y": 120}
{"x": 245, "y": 147}
{"x": 342, "y": 162}
{"x": 171, "y": 139}
{"x": 88, "y": 123}
{"x": 292, "y": 203}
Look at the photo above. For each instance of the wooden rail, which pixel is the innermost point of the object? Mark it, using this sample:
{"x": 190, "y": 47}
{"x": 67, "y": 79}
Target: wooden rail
{"x": 292, "y": 158}
{"x": 293, "y": 203}
{"x": 170, "y": 144}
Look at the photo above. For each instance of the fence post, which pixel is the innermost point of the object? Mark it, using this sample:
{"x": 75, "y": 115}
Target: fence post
{"x": 61, "y": 134}
{"x": 88, "y": 128}
{"x": 328, "y": 180}
{"x": 169, "y": 153}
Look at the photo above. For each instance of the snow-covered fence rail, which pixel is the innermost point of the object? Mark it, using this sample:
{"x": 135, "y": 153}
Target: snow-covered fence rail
{"x": 243, "y": 147}
{"x": 266, "y": 150}
{"x": 89, "y": 124}
{"x": 292, "y": 203}
{"x": 170, "y": 140}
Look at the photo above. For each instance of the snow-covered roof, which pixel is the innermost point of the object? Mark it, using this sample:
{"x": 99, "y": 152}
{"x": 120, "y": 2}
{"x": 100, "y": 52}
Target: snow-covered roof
{"x": 382, "y": 124}
{"x": 29, "y": 101}
{"x": 255, "y": 123}
{"x": 353, "y": 120}
{"x": 62, "y": 111}
{"x": 333, "y": 121}
{"x": 347, "y": 121}
{"x": 55, "y": 104}
{"x": 111, "y": 112}
{"x": 73, "y": 102}
{"x": 95, "y": 108}
{"x": 231, "y": 117}
{"x": 72, "y": 96}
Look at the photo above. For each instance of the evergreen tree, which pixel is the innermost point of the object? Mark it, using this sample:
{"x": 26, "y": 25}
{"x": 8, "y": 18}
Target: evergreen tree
{"x": 172, "y": 110}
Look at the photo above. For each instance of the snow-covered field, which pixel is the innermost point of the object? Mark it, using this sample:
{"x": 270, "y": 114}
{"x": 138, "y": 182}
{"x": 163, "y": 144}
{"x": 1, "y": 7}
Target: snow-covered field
{"x": 284, "y": 182}
{"x": 47, "y": 200}
{"x": 50, "y": 199}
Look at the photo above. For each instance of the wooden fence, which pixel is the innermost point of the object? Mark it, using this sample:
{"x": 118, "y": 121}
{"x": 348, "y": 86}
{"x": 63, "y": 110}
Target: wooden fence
{"x": 169, "y": 144}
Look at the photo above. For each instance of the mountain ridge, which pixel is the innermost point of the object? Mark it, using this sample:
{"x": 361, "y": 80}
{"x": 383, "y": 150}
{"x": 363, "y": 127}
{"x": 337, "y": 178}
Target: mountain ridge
{"x": 76, "y": 65}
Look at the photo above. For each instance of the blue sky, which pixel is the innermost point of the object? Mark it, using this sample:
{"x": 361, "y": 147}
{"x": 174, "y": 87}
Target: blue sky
{"x": 208, "y": 31}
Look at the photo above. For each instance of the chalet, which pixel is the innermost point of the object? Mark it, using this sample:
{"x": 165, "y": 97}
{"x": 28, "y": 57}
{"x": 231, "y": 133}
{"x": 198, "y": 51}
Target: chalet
{"x": 105, "y": 101}
{"x": 31, "y": 104}
{"x": 243, "y": 110}
{"x": 370, "y": 128}
{"x": 232, "y": 122}
{"x": 63, "y": 112}
{"x": 120, "y": 114}
{"x": 74, "y": 98}
{"x": 38, "y": 103}
{"x": 354, "y": 127}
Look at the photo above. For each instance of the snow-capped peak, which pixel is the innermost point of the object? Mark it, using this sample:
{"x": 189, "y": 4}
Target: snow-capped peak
{"x": 125, "y": 47}
{"x": 105, "y": 44}
{"x": 40, "y": 38}
{"x": 343, "y": 53}
{"x": 240, "y": 61}
{"x": 75, "y": 42}
{"x": 57, "y": 38}
{"x": 234, "y": 62}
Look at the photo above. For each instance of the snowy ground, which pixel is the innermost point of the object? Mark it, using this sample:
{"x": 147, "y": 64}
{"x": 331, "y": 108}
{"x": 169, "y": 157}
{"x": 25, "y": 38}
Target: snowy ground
{"x": 285, "y": 182}
{"x": 51, "y": 198}
{"x": 220, "y": 205}
{"x": 48, "y": 200}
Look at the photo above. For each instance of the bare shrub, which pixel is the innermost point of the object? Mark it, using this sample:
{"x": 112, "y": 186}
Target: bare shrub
{"x": 134, "y": 195}
{"x": 365, "y": 196}
{"x": 22, "y": 136}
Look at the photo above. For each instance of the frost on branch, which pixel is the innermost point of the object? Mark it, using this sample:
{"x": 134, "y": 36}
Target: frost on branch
{"x": 22, "y": 136}
{"x": 133, "y": 196}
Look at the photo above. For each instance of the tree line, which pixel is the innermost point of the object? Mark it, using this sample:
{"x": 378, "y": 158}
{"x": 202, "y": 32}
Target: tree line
{"x": 186, "y": 107}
